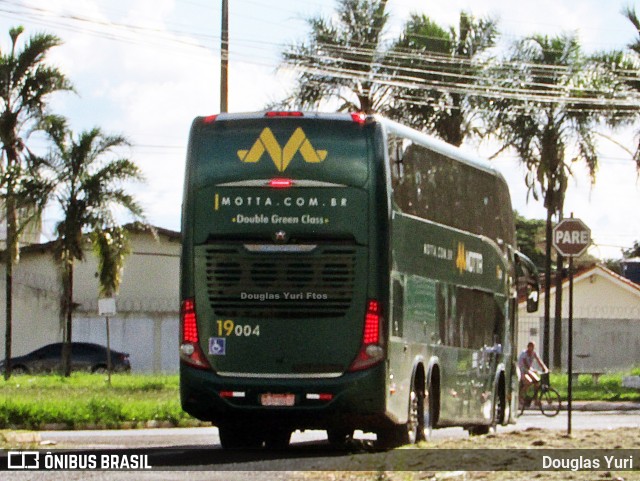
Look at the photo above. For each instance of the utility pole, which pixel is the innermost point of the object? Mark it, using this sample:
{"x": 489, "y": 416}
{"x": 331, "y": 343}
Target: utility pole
{"x": 224, "y": 58}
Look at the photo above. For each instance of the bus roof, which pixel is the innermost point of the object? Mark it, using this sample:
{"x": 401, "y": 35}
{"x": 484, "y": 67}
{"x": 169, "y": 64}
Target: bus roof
{"x": 438, "y": 145}
{"x": 284, "y": 114}
{"x": 429, "y": 141}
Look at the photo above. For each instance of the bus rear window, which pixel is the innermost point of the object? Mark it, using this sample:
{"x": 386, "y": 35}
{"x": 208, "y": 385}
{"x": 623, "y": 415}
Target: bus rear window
{"x": 329, "y": 151}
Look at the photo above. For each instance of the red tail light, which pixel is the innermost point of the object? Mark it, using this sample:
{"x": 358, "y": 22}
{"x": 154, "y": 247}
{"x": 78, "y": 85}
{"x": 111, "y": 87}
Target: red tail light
{"x": 359, "y": 117}
{"x": 273, "y": 114}
{"x": 190, "y": 351}
{"x": 372, "y": 348}
{"x": 210, "y": 119}
{"x": 189, "y": 324}
{"x": 372, "y": 324}
{"x": 280, "y": 183}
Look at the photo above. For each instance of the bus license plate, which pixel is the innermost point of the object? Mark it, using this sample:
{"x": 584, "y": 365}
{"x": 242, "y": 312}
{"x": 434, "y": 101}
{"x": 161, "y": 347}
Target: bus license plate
{"x": 270, "y": 399}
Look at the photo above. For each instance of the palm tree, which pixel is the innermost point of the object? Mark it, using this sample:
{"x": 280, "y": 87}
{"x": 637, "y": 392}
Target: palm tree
{"x": 111, "y": 247}
{"x": 553, "y": 99}
{"x": 342, "y": 60}
{"x": 26, "y": 82}
{"x": 437, "y": 69}
{"x": 89, "y": 187}
{"x": 635, "y": 47}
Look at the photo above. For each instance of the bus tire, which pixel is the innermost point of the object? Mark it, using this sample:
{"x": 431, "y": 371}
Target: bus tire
{"x": 233, "y": 436}
{"x": 413, "y": 431}
{"x": 392, "y": 437}
{"x": 416, "y": 421}
{"x": 339, "y": 437}
{"x": 499, "y": 408}
{"x": 479, "y": 430}
{"x": 277, "y": 439}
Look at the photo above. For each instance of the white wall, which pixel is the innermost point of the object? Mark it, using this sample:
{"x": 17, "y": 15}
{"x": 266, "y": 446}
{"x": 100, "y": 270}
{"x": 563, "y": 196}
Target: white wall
{"x": 604, "y": 308}
{"x": 146, "y": 323}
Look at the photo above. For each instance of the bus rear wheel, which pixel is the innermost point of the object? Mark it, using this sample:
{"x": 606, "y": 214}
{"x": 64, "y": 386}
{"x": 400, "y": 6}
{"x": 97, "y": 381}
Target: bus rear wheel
{"x": 415, "y": 423}
{"x": 413, "y": 431}
{"x": 479, "y": 430}
{"x": 277, "y": 438}
{"x": 339, "y": 437}
{"x": 233, "y": 436}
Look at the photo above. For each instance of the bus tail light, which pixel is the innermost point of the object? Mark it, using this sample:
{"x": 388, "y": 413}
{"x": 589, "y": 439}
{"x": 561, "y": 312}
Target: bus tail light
{"x": 279, "y": 183}
{"x": 273, "y": 114}
{"x": 210, "y": 119}
{"x": 359, "y": 117}
{"x": 190, "y": 351}
{"x": 372, "y": 348}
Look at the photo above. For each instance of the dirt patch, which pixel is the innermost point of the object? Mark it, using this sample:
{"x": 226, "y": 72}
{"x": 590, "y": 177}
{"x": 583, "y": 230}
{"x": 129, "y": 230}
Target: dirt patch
{"x": 417, "y": 464}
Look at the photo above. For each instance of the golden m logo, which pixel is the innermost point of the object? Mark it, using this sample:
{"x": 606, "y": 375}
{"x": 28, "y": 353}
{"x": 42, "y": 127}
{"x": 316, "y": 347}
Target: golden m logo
{"x": 461, "y": 258}
{"x": 282, "y": 156}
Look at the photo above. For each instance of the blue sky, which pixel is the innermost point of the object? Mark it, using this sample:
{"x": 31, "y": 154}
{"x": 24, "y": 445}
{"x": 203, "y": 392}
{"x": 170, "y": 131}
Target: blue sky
{"x": 146, "y": 68}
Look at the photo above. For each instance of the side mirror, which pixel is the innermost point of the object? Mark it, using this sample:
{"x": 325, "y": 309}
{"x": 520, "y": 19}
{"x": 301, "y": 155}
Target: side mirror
{"x": 527, "y": 275}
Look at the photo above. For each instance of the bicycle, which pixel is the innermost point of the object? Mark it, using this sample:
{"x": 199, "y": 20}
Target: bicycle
{"x": 547, "y": 398}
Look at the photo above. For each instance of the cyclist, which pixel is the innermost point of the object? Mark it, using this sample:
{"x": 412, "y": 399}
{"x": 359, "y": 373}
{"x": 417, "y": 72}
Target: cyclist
{"x": 528, "y": 374}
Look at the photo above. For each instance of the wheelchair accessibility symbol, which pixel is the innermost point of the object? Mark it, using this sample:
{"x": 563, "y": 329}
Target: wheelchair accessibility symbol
{"x": 217, "y": 346}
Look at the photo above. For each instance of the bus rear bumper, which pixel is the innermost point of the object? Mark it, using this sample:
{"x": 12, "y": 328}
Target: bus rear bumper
{"x": 351, "y": 401}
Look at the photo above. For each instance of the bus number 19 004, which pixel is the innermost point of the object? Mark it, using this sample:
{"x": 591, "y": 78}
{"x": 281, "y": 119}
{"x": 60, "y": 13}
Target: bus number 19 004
{"x": 228, "y": 328}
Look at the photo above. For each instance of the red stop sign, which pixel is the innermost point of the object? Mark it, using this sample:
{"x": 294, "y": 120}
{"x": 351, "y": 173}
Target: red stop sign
{"x": 571, "y": 237}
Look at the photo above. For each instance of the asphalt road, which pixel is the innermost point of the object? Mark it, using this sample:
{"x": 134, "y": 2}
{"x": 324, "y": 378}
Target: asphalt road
{"x": 198, "y": 449}
{"x": 208, "y": 436}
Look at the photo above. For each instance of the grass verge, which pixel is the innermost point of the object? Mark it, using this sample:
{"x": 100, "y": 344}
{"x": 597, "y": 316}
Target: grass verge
{"x": 608, "y": 388}
{"x": 134, "y": 400}
{"x": 86, "y": 400}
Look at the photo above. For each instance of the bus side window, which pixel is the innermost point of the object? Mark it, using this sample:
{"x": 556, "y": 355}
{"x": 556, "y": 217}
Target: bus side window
{"x": 397, "y": 292}
{"x": 441, "y": 310}
{"x": 397, "y": 147}
{"x": 448, "y": 318}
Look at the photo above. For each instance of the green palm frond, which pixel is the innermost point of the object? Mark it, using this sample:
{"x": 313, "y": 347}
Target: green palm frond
{"x": 341, "y": 58}
{"x": 631, "y": 14}
{"x": 111, "y": 246}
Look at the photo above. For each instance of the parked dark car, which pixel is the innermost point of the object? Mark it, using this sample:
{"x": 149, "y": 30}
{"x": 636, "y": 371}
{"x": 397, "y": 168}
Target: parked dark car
{"x": 84, "y": 357}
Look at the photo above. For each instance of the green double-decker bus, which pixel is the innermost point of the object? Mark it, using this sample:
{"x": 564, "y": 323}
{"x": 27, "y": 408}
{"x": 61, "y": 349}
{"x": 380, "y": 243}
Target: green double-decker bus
{"x": 344, "y": 272}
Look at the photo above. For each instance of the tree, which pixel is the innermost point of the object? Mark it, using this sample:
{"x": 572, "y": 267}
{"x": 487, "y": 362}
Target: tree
{"x": 554, "y": 99}
{"x": 632, "y": 252}
{"x": 635, "y": 47}
{"x": 530, "y": 234}
{"x": 89, "y": 188}
{"x": 111, "y": 247}
{"x": 438, "y": 69}
{"x": 342, "y": 60}
{"x": 26, "y": 82}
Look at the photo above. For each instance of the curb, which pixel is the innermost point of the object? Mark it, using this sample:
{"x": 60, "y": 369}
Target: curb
{"x": 602, "y": 406}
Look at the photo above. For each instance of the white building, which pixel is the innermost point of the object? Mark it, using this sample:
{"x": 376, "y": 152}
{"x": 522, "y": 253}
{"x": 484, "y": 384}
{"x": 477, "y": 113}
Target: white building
{"x": 146, "y": 323}
{"x": 606, "y": 313}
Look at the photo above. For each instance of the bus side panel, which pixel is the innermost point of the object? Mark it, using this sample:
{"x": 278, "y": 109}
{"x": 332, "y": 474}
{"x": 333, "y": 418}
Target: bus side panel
{"x": 450, "y": 305}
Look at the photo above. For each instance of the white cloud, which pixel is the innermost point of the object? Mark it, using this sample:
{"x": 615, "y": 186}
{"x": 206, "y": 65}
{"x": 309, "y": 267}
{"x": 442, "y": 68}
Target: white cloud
{"x": 149, "y": 84}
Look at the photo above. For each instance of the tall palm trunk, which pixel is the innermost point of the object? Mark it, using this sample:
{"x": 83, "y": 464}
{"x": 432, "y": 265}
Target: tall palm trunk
{"x": 67, "y": 305}
{"x": 547, "y": 287}
{"x": 9, "y": 262}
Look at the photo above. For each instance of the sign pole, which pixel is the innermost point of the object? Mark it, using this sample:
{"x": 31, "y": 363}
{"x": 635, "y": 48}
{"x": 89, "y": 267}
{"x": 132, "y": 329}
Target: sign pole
{"x": 570, "y": 348}
{"x": 571, "y": 238}
{"x": 108, "y": 352}
{"x": 107, "y": 308}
